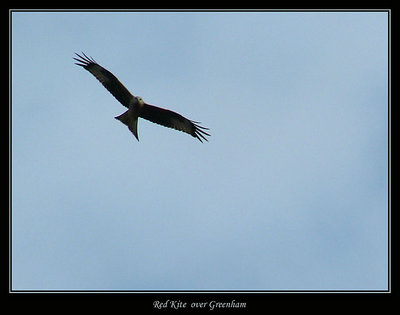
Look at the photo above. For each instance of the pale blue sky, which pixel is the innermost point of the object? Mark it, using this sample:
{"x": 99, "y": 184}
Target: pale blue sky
{"x": 290, "y": 193}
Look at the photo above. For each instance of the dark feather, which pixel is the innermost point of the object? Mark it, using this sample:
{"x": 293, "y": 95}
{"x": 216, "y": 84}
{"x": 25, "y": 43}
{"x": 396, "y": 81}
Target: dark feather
{"x": 174, "y": 120}
{"x": 110, "y": 82}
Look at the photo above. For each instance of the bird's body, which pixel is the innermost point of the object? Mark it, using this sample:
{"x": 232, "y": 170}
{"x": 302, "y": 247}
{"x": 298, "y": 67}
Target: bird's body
{"x": 131, "y": 116}
{"x": 137, "y": 107}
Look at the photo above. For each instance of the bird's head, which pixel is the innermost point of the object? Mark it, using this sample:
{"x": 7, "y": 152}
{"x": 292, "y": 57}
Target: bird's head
{"x": 140, "y": 101}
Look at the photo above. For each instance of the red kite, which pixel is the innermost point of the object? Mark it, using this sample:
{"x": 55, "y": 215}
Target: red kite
{"x": 137, "y": 107}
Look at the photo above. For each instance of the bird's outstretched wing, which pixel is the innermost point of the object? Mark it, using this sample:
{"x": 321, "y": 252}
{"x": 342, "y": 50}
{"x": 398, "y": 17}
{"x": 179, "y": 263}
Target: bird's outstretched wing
{"x": 174, "y": 120}
{"x": 110, "y": 81}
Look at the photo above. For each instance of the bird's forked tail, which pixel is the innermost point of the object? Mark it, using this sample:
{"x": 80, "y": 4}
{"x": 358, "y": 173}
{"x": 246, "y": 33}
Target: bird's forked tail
{"x": 131, "y": 120}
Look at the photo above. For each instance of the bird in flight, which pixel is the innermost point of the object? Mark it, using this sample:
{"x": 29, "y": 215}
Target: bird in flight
{"x": 137, "y": 107}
